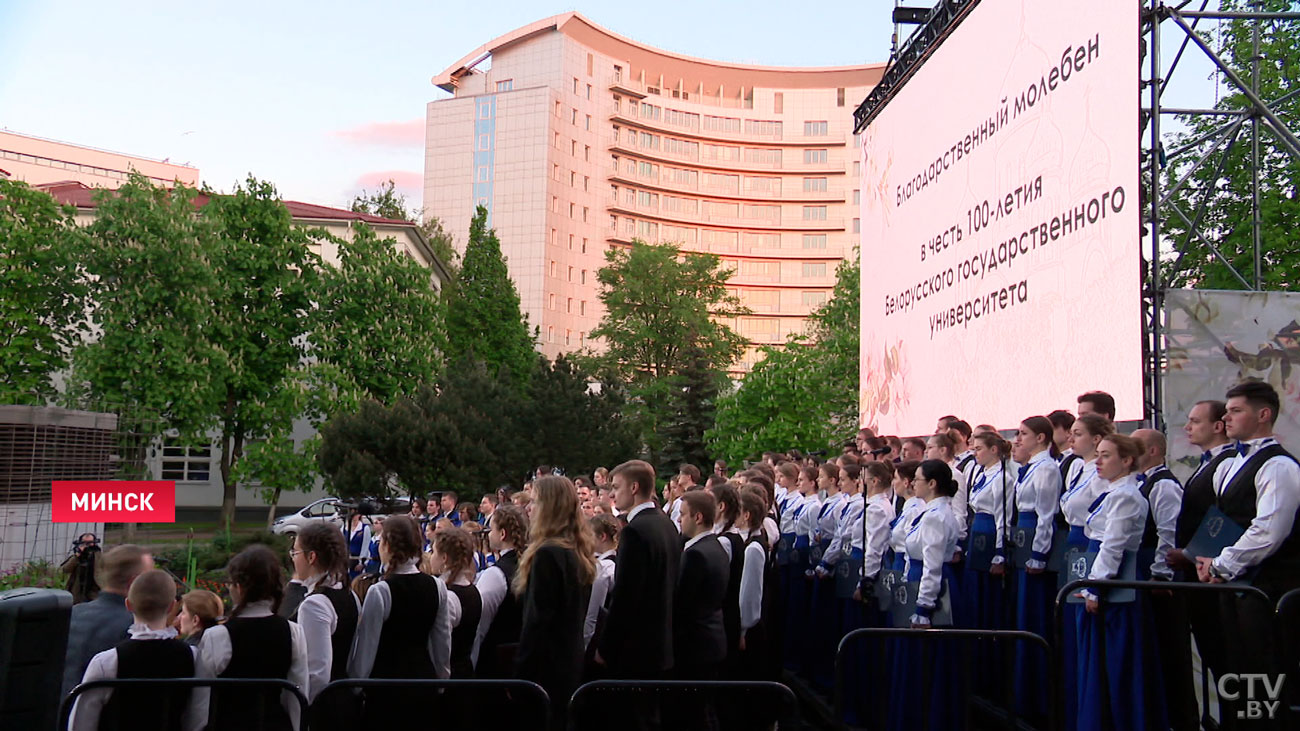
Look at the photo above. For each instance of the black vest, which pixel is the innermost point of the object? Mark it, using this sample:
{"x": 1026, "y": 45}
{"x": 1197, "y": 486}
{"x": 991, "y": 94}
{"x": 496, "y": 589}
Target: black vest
{"x": 506, "y": 623}
{"x": 731, "y": 607}
{"x": 1150, "y": 538}
{"x": 345, "y": 628}
{"x": 260, "y": 647}
{"x": 149, "y": 710}
{"x": 462, "y": 637}
{"x": 403, "y": 650}
{"x": 965, "y": 462}
{"x": 1280, "y": 572}
{"x": 1198, "y": 496}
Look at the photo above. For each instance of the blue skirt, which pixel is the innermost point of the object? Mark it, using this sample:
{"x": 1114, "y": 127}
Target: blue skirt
{"x": 1069, "y": 639}
{"x": 927, "y": 691}
{"x": 1035, "y": 600}
{"x": 820, "y": 653}
{"x": 987, "y": 599}
{"x": 798, "y": 597}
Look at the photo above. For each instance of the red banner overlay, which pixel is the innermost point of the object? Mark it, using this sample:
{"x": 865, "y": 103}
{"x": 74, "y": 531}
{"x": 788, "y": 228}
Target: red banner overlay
{"x": 114, "y": 501}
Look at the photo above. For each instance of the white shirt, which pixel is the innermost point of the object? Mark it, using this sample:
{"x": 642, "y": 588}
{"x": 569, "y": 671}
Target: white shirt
{"x": 898, "y": 537}
{"x": 1166, "y": 498}
{"x": 492, "y": 587}
{"x": 215, "y": 652}
{"x": 788, "y": 504}
{"x": 1214, "y": 452}
{"x": 647, "y": 505}
{"x": 932, "y": 541}
{"x": 1081, "y": 487}
{"x": 103, "y": 666}
{"x": 605, "y": 569}
{"x": 751, "y": 584}
{"x": 988, "y": 494}
{"x": 879, "y": 513}
{"x": 848, "y": 529}
{"x": 962, "y": 496}
{"x": 1118, "y": 522}
{"x": 374, "y": 612}
{"x": 828, "y": 517}
{"x": 726, "y": 544}
{"x": 1039, "y": 492}
{"x": 676, "y": 514}
{"x": 318, "y": 620}
{"x": 1277, "y": 496}
{"x": 806, "y": 515}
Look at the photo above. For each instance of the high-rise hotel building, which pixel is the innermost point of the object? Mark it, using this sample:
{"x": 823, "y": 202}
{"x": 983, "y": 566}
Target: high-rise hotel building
{"x": 577, "y": 139}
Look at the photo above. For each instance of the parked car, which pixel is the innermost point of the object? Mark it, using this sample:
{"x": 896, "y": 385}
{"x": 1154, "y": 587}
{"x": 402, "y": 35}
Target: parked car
{"x": 324, "y": 509}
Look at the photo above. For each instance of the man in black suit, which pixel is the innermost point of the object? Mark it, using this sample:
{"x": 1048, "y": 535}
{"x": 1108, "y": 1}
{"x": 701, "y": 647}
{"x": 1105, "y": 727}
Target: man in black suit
{"x": 699, "y": 634}
{"x": 699, "y": 639}
{"x": 637, "y": 643}
{"x": 638, "y": 638}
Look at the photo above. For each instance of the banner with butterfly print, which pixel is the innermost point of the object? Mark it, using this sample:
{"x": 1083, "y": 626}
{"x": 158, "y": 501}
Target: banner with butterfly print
{"x": 1214, "y": 339}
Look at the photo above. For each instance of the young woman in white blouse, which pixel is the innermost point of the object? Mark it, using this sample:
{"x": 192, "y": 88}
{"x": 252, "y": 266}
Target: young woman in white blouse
{"x": 1118, "y": 671}
{"x": 405, "y": 627}
{"x": 1038, "y": 493}
{"x": 931, "y": 541}
{"x": 1080, "y": 489}
{"x": 329, "y": 613}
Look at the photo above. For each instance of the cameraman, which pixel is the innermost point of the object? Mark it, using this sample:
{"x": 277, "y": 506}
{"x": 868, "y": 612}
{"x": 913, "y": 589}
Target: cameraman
{"x": 80, "y": 568}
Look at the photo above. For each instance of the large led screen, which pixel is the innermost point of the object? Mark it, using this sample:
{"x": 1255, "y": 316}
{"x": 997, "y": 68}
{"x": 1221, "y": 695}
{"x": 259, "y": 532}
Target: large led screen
{"x": 1000, "y": 226}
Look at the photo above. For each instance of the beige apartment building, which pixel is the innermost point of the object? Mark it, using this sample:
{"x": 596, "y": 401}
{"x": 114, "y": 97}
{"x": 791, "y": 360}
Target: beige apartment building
{"x": 38, "y": 161}
{"x": 577, "y": 139}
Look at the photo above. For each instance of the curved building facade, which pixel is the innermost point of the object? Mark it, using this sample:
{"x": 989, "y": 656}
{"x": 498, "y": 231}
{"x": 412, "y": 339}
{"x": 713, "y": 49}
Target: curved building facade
{"x": 577, "y": 139}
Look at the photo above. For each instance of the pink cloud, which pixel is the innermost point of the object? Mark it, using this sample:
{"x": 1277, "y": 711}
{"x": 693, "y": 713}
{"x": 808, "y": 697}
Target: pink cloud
{"x": 390, "y": 134}
{"x": 405, "y": 180}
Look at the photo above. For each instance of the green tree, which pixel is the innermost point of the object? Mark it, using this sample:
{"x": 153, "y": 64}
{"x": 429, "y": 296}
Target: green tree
{"x": 153, "y": 287}
{"x": 354, "y": 451}
{"x": 43, "y": 292}
{"x": 266, "y": 275}
{"x": 1224, "y": 186}
{"x": 802, "y": 395}
{"x": 377, "y": 327}
{"x": 572, "y": 423}
{"x": 691, "y": 412}
{"x": 665, "y": 311}
{"x": 484, "y": 321}
{"x": 387, "y": 202}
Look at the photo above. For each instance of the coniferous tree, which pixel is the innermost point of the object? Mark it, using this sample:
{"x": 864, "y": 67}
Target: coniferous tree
{"x": 484, "y": 321}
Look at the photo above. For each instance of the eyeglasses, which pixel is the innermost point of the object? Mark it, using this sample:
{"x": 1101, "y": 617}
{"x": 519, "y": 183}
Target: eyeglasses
{"x": 295, "y": 552}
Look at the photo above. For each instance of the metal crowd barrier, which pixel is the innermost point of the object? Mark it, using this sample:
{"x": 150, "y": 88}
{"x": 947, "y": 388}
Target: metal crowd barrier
{"x": 338, "y": 704}
{"x": 1288, "y": 627}
{"x": 1176, "y": 588}
{"x": 65, "y": 706}
{"x": 587, "y": 711}
{"x": 964, "y": 636}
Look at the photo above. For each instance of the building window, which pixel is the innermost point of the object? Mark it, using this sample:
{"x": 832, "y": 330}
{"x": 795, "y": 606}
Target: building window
{"x": 550, "y": 301}
{"x": 485, "y": 109}
{"x": 613, "y": 223}
{"x": 568, "y": 305}
{"x": 555, "y": 238}
{"x": 570, "y": 242}
{"x": 584, "y": 247}
{"x": 557, "y": 108}
{"x": 857, "y": 168}
{"x": 482, "y": 142}
{"x": 815, "y": 129}
{"x": 814, "y": 157}
{"x": 814, "y": 185}
{"x": 584, "y": 275}
{"x": 575, "y": 85}
{"x": 550, "y": 334}
{"x": 857, "y": 197}
{"x": 585, "y": 211}
{"x": 591, "y": 60}
{"x": 839, "y": 97}
{"x": 505, "y": 85}
{"x": 586, "y": 153}
{"x": 588, "y": 124}
{"x": 186, "y": 464}
{"x": 814, "y": 213}
{"x": 814, "y": 241}
{"x": 588, "y": 91}
{"x": 582, "y": 308}
{"x": 554, "y": 269}
{"x": 573, "y": 117}
{"x": 618, "y": 74}
{"x": 482, "y": 175}
{"x": 778, "y": 102}
{"x": 572, "y": 207}
{"x": 555, "y": 204}
{"x": 573, "y": 148}
{"x": 857, "y": 225}
{"x": 568, "y": 337}
{"x": 814, "y": 299}
{"x": 573, "y": 178}
{"x": 814, "y": 269}
{"x": 570, "y": 274}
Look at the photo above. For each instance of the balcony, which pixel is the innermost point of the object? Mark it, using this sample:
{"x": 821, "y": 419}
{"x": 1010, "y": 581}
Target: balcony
{"x": 830, "y": 167}
{"x": 704, "y": 218}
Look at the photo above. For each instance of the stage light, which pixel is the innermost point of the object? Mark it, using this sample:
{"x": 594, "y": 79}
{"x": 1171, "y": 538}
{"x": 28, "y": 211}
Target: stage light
{"x": 910, "y": 16}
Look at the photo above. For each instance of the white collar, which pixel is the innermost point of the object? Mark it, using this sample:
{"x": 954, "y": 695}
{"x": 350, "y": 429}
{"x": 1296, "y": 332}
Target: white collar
{"x": 638, "y": 508}
{"x": 699, "y": 537}
{"x": 605, "y": 555}
{"x": 1155, "y": 469}
{"x": 1215, "y": 451}
{"x": 407, "y": 567}
{"x": 1043, "y": 455}
{"x": 253, "y": 610}
{"x": 140, "y": 632}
